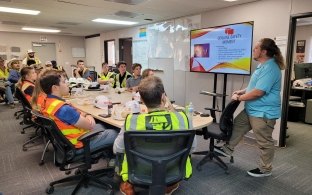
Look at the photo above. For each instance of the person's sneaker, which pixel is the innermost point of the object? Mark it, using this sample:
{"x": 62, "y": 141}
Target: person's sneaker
{"x": 126, "y": 188}
{"x": 224, "y": 150}
{"x": 172, "y": 188}
{"x": 258, "y": 173}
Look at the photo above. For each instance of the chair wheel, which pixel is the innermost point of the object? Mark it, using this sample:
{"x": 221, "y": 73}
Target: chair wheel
{"x": 21, "y": 123}
{"x": 15, "y": 114}
{"x": 24, "y": 149}
{"x": 41, "y": 163}
{"x": 232, "y": 159}
{"x": 50, "y": 190}
{"x": 67, "y": 172}
{"x": 22, "y": 132}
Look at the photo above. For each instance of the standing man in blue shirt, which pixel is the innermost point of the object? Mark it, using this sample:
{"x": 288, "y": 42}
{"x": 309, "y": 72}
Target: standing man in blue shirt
{"x": 262, "y": 105}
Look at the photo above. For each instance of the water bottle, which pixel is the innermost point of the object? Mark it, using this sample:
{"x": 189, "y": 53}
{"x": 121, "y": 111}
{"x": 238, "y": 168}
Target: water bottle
{"x": 189, "y": 113}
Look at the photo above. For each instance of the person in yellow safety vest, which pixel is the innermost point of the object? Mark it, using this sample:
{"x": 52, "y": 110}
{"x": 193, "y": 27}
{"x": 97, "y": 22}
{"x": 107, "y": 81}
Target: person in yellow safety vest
{"x": 105, "y": 77}
{"x": 121, "y": 78}
{"x": 158, "y": 118}
{"x": 71, "y": 122}
{"x": 4, "y": 75}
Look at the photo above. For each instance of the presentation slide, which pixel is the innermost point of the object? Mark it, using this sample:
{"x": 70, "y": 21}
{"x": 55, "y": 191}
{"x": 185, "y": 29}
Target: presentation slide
{"x": 222, "y": 49}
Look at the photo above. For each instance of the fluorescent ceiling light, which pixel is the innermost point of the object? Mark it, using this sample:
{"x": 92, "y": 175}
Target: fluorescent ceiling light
{"x": 109, "y": 21}
{"x": 19, "y": 11}
{"x": 41, "y": 30}
{"x": 230, "y": 0}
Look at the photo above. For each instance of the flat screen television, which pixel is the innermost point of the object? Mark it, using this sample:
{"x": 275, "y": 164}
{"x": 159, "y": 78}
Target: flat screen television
{"x": 222, "y": 49}
{"x": 303, "y": 70}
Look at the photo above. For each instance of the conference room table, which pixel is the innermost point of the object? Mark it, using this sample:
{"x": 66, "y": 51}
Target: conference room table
{"x": 84, "y": 102}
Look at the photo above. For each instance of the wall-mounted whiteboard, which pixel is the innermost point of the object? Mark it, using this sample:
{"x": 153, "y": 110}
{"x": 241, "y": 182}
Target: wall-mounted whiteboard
{"x": 78, "y": 52}
{"x": 139, "y": 53}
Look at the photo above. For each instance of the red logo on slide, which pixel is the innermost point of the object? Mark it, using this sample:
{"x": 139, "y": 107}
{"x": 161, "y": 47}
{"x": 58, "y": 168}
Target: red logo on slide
{"x": 229, "y": 31}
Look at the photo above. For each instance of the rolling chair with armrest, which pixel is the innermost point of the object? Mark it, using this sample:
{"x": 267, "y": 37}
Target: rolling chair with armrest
{"x": 81, "y": 159}
{"x": 27, "y": 116}
{"x": 157, "y": 158}
{"x": 223, "y": 132}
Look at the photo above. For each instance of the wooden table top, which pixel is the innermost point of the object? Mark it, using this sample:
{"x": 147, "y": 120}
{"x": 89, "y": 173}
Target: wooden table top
{"x": 84, "y": 102}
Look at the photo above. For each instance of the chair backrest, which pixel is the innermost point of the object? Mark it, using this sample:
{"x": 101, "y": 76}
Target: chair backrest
{"x": 21, "y": 97}
{"x": 156, "y": 157}
{"x": 226, "y": 119}
{"x": 93, "y": 75}
{"x": 63, "y": 148}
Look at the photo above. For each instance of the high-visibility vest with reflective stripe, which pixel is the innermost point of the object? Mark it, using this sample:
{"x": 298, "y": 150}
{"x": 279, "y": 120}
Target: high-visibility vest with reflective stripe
{"x": 25, "y": 85}
{"x": 108, "y": 76}
{"x": 124, "y": 81}
{"x": 72, "y": 133}
{"x": 159, "y": 120}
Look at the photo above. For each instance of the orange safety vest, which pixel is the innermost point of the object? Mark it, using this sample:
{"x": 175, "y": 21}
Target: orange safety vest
{"x": 72, "y": 133}
{"x": 25, "y": 85}
{"x": 40, "y": 101}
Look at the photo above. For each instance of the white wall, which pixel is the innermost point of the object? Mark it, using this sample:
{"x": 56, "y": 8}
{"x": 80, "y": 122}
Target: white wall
{"x": 94, "y": 56}
{"x": 64, "y": 45}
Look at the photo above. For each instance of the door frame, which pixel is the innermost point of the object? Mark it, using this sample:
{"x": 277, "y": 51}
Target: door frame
{"x": 121, "y": 51}
{"x": 106, "y": 50}
{"x": 288, "y": 71}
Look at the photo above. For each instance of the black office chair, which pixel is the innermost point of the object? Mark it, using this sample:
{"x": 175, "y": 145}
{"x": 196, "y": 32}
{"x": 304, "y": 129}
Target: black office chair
{"x": 224, "y": 133}
{"x": 157, "y": 158}
{"x": 66, "y": 154}
{"x": 27, "y": 116}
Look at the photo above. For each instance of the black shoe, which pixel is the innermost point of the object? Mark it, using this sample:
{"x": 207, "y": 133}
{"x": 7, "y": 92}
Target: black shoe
{"x": 257, "y": 173}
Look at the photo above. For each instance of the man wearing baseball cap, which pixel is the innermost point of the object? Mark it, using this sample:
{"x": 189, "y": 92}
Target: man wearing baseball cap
{"x": 31, "y": 59}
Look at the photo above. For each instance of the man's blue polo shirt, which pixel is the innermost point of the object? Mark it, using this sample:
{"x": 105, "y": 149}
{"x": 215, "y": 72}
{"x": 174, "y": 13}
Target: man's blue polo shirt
{"x": 267, "y": 78}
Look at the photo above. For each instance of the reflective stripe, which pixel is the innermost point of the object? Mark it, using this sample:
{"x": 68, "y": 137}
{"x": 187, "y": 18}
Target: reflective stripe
{"x": 133, "y": 121}
{"x": 70, "y": 131}
{"x": 53, "y": 105}
{"x": 181, "y": 120}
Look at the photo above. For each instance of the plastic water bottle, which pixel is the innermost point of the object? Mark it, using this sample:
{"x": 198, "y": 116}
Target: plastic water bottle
{"x": 189, "y": 113}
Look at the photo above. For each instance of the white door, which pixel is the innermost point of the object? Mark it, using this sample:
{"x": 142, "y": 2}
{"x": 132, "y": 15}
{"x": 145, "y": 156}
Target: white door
{"x": 44, "y": 51}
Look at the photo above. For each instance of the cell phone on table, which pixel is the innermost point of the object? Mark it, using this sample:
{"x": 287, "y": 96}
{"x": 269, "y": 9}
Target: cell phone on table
{"x": 105, "y": 115}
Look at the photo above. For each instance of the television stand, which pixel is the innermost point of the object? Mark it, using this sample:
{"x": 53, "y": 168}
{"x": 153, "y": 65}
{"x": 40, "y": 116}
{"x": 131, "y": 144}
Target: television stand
{"x": 214, "y": 94}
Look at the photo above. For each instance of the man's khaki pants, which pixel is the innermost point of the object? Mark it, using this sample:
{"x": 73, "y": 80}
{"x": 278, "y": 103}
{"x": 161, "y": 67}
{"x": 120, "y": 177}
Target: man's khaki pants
{"x": 262, "y": 129}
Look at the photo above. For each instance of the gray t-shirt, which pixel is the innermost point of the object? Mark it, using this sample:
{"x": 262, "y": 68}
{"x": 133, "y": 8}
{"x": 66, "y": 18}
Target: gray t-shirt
{"x": 132, "y": 82}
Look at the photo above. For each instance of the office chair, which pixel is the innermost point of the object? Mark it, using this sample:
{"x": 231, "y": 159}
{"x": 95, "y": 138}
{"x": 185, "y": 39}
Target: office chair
{"x": 31, "y": 122}
{"x": 223, "y": 132}
{"x": 27, "y": 116}
{"x": 157, "y": 158}
{"x": 66, "y": 154}
{"x": 93, "y": 75}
